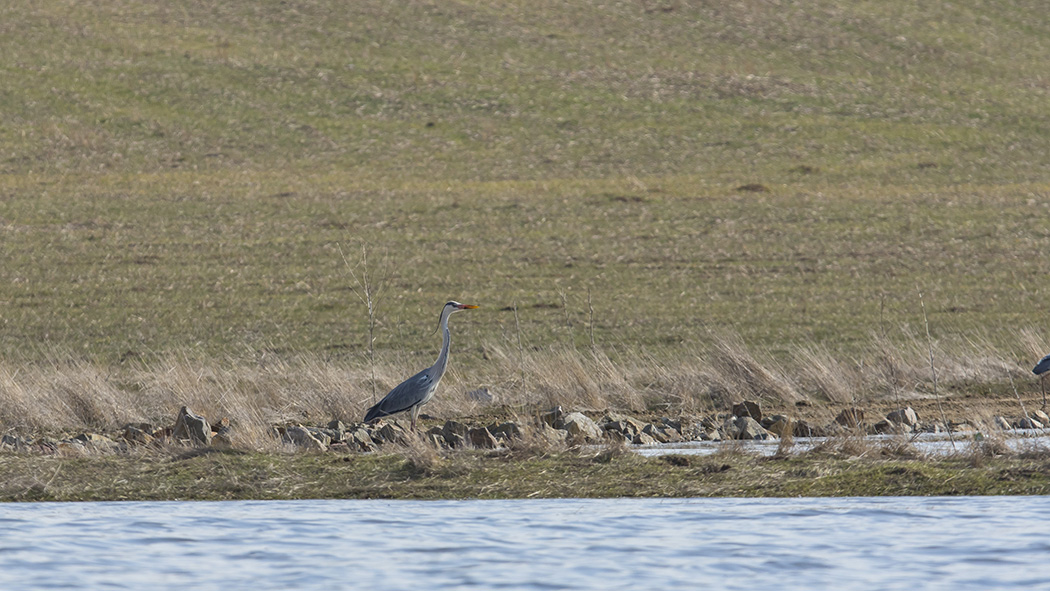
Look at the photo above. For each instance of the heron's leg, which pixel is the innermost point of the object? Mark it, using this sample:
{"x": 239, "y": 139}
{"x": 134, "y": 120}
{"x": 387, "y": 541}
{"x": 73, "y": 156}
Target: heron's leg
{"x": 415, "y": 415}
{"x": 1042, "y": 386}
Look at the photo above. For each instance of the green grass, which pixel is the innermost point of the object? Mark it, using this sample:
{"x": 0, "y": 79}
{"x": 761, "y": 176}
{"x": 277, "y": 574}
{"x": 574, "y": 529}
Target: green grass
{"x": 183, "y": 176}
{"x": 238, "y": 475}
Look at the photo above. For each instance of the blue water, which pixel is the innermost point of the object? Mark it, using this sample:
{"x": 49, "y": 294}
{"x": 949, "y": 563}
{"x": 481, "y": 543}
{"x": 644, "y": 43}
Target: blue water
{"x": 847, "y": 543}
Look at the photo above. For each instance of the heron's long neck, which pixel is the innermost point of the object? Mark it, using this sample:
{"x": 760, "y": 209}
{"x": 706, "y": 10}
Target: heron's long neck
{"x": 442, "y": 360}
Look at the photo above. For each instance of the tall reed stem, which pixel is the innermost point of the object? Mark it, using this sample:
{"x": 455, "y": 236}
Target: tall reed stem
{"x": 933, "y": 370}
{"x": 367, "y": 291}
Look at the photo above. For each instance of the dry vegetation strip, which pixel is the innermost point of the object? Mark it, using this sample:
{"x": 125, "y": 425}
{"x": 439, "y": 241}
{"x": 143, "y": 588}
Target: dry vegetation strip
{"x": 63, "y": 396}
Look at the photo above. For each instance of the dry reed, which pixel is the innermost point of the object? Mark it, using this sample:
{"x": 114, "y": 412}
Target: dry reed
{"x": 62, "y": 396}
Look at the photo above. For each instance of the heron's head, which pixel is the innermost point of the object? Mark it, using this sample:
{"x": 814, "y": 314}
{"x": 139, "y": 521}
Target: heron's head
{"x": 453, "y": 306}
{"x": 456, "y": 306}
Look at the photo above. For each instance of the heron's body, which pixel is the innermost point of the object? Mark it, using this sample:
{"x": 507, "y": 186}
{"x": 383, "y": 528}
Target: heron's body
{"x": 1040, "y": 370}
{"x": 1043, "y": 366}
{"x": 417, "y": 390}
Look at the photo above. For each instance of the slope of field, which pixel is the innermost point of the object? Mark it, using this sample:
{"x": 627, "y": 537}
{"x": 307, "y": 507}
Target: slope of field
{"x": 646, "y": 176}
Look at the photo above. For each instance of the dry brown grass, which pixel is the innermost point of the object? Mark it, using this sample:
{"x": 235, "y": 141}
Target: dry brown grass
{"x": 420, "y": 457}
{"x": 62, "y": 395}
{"x": 825, "y": 377}
{"x": 849, "y": 444}
{"x": 737, "y": 372}
{"x": 581, "y": 380}
{"x": 65, "y": 396}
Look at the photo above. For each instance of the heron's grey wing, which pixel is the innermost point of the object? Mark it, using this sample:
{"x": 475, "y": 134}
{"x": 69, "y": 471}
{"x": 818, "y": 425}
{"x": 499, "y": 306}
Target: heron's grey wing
{"x": 1043, "y": 366}
{"x": 403, "y": 397}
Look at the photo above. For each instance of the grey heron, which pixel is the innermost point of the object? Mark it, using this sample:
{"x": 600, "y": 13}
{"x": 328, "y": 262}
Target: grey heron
{"x": 417, "y": 390}
{"x": 1041, "y": 368}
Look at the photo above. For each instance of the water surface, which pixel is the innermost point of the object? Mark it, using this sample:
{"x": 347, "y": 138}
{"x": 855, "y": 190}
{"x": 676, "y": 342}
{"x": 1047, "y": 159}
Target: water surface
{"x": 840, "y": 543}
{"x": 932, "y": 444}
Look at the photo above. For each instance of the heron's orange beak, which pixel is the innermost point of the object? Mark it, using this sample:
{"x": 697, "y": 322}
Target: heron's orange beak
{"x": 468, "y": 307}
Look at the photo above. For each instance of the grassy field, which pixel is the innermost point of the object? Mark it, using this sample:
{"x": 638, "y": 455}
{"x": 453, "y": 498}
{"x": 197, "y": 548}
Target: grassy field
{"x": 197, "y": 186}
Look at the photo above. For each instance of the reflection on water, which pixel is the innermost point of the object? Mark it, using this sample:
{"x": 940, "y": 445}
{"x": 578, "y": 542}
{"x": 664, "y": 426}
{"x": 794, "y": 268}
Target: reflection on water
{"x": 854, "y": 543}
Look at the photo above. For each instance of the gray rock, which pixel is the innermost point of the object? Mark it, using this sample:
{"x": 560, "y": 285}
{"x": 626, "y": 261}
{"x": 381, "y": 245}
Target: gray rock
{"x": 777, "y": 424}
{"x": 644, "y": 438}
{"x": 91, "y": 442}
{"x": 144, "y": 427}
{"x": 673, "y": 435}
{"x": 11, "y": 442}
{"x": 1002, "y": 423}
{"x": 552, "y": 417}
{"x": 455, "y": 433}
{"x": 1040, "y": 416}
{"x": 97, "y": 442}
{"x": 223, "y": 437}
{"x": 1029, "y": 423}
{"x": 804, "y": 429}
{"x": 886, "y": 426}
{"x": 712, "y": 435}
{"x": 904, "y": 416}
{"x": 550, "y": 435}
{"x": 705, "y": 429}
{"x": 43, "y": 444}
{"x": 507, "y": 430}
{"x": 220, "y": 424}
{"x": 481, "y": 438}
{"x": 392, "y": 432}
{"x": 359, "y": 439}
{"x": 931, "y": 427}
{"x": 192, "y": 428}
{"x": 626, "y": 426}
{"x": 136, "y": 435}
{"x": 655, "y": 432}
{"x": 336, "y": 425}
{"x": 671, "y": 424}
{"x": 662, "y": 434}
{"x": 748, "y": 408}
{"x": 70, "y": 446}
{"x": 326, "y": 436}
{"x": 581, "y": 429}
{"x": 745, "y": 428}
{"x": 692, "y": 431}
{"x": 891, "y": 426}
{"x": 302, "y": 437}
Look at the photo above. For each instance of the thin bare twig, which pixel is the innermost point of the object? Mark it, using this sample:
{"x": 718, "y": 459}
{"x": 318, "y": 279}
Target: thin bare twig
{"x": 1018, "y": 395}
{"x": 369, "y": 292}
{"x": 590, "y": 316}
{"x": 521, "y": 348}
{"x": 933, "y": 370}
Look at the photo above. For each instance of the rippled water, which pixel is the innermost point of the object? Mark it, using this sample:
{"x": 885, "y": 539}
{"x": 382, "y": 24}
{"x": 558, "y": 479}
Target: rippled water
{"x": 850, "y": 543}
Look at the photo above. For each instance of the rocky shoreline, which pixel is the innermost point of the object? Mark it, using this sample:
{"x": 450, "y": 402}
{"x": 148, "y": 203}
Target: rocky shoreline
{"x": 551, "y": 428}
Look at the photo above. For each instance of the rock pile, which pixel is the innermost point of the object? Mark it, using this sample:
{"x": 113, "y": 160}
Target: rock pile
{"x": 552, "y": 427}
